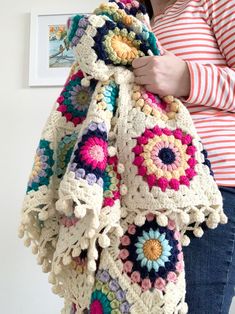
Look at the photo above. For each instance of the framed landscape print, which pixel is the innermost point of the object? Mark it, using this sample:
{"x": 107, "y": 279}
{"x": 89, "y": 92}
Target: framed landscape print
{"x": 50, "y": 55}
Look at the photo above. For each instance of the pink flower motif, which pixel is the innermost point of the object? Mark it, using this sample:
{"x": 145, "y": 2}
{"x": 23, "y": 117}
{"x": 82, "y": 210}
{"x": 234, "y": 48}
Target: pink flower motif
{"x": 123, "y": 254}
{"x": 150, "y": 216}
{"x": 127, "y": 266}
{"x": 94, "y": 152}
{"x": 180, "y": 256}
{"x": 179, "y": 266}
{"x": 177, "y": 235}
{"x": 125, "y": 240}
{"x": 171, "y": 276}
{"x": 160, "y": 283}
{"x": 146, "y": 284}
{"x": 135, "y": 276}
{"x": 132, "y": 229}
{"x": 171, "y": 224}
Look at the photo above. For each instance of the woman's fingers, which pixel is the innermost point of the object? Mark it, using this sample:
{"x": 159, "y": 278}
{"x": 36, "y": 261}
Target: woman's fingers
{"x": 140, "y": 62}
{"x": 143, "y": 80}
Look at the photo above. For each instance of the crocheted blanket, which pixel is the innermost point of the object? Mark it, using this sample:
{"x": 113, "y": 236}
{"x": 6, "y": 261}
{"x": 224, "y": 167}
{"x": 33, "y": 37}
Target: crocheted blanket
{"x": 120, "y": 179}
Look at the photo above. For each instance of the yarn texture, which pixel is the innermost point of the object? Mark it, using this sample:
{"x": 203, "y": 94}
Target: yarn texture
{"x": 120, "y": 179}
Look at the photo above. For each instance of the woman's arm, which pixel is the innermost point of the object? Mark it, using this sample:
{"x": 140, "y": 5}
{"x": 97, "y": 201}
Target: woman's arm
{"x": 212, "y": 85}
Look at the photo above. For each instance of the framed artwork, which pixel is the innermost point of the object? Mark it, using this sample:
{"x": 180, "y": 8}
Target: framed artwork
{"x": 50, "y": 55}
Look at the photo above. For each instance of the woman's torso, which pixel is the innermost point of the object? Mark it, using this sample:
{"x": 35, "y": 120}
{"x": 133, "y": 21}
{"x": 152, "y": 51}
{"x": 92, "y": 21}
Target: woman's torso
{"x": 183, "y": 29}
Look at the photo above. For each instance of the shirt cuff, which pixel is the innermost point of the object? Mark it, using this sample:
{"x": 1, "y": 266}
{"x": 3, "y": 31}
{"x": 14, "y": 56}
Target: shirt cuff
{"x": 192, "y": 91}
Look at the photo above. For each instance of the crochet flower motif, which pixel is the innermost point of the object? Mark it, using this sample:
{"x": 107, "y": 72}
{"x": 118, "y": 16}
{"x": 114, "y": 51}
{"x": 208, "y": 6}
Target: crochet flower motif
{"x": 108, "y": 296}
{"x": 111, "y": 182}
{"x": 149, "y": 103}
{"x": 107, "y": 95}
{"x": 74, "y": 99}
{"x": 117, "y": 40}
{"x": 165, "y": 158}
{"x": 90, "y": 156}
{"x": 42, "y": 166}
{"x": 117, "y": 45}
{"x": 64, "y": 152}
{"x": 151, "y": 255}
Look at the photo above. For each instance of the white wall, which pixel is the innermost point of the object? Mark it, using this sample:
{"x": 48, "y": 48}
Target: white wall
{"x": 23, "y": 111}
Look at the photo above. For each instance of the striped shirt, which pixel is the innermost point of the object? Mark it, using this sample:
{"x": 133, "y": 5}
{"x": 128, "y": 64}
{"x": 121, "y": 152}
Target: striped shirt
{"x": 202, "y": 32}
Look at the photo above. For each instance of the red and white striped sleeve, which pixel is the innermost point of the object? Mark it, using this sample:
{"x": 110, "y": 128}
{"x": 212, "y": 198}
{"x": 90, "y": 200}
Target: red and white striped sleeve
{"x": 211, "y": 85}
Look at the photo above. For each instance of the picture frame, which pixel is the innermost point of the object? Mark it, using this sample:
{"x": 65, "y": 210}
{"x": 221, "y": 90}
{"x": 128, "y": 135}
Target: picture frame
{"x": 49, "y": 56}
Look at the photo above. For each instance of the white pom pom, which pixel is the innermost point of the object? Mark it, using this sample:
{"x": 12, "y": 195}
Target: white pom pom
{"x": 112, "y": 151}
{"x": 43, "y": 216}
{"x": 119, "y": 231}
{"x": 46, "y": 266}
{"x": 162, "y": 220}
{"x": 123, "y": 189}
{"x": 215, "y": 217}
{"x": 184, "y": 308}
{"x": 213, "y": 220}
{"x": 51, "y": 278}
{"x": 120, "y": 168}
{"x": 39, "y": 259}
{"x": 80, "y": 211}
{"x": 199, "y": 216}
{"x": 56, "y": 289}
{"x": 76, "y": 252}
{"x": 140, "y": 220}
{"x": 21, "y": 231}
{"x": 223, "y": 218}
{"x": 198, "y": 232}
{"x": 210, "y": 224}
{"x": 91, "y": 265}
{"x": 104, "y": 241}
{"x": 185, "y": 218}
{"x": 27, "y": 242}
{"x": 34, "y": 249}
{"x": 185, "y": 240}
{"x": 111, "y": 135}
{"x": 84, "y": 243}
{"x": 85, "y": 82}
{"x": 67, "y": 260}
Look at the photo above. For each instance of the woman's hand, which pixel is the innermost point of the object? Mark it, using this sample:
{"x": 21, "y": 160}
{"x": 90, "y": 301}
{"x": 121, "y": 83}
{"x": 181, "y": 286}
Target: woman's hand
{"x": 163, "y": 75}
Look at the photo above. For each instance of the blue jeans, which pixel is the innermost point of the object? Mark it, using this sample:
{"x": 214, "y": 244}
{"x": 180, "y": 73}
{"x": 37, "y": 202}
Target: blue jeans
{"x": 210, "y": 264}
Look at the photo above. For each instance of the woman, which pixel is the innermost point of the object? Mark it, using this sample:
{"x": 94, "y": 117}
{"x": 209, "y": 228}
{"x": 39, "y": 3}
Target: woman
{"x": 198, "y": 66}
